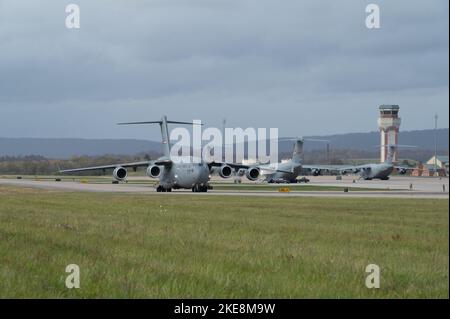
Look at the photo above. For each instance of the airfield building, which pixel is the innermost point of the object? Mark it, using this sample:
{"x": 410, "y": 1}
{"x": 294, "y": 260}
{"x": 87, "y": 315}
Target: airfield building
{"x": 435, "y": 166}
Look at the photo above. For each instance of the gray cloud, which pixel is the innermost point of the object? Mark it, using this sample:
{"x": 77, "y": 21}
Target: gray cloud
{"x": 307, "y": 67}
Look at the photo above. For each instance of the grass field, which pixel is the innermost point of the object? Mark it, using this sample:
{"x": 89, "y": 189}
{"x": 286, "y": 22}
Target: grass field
{"x": 162, "y": 246}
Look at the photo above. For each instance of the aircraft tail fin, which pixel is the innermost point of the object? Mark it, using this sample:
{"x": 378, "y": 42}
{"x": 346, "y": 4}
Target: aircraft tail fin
{"x": 298, "y": 147}
{"x": 163, "y": 123}
{"x": 391, "y": 153}
{"x": 298, "y": 151}
{"x": 392, "y": 148}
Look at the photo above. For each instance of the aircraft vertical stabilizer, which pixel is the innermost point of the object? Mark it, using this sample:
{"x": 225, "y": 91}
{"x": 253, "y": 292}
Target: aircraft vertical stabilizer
{"x": 298, "y": 151}
{"x": 165, "y": 137}
{"x": 390, "y": 154}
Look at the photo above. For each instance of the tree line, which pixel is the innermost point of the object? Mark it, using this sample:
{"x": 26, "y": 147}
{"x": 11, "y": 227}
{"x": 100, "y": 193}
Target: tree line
{"x": 39, "y": 165}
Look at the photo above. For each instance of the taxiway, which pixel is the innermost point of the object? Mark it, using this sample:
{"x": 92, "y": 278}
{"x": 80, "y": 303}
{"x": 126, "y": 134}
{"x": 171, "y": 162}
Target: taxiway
{"x": 397, "y": 187}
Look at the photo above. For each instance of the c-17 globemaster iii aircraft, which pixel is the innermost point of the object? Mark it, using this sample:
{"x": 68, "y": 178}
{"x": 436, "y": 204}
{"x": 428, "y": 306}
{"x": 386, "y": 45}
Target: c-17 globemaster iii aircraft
{"x": 380, "y": 170}
{"x": 288, "y": 171}
{"x": 174, "y": 173}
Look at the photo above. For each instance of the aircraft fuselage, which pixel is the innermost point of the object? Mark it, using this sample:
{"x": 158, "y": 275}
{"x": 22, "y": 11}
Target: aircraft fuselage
{"x": 184, "y": 175}
{"x": 378, "y": 171}
{"x": 287, "y": 176}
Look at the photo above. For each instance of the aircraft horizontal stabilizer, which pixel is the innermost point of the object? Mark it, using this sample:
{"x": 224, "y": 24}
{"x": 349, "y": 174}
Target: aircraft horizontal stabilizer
{"x": 158, "y": 122}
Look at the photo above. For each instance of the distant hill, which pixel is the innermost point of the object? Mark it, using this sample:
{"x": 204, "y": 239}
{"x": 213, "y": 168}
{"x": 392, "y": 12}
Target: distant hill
{"x": 60, "y": 148}
{"x": 64, "y": 148}
{"x": 423, "y": 139}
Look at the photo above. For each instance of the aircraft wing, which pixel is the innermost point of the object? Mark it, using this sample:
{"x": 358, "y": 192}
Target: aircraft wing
{"x": 273, "y": 170}
{"x": 267, "y": 169}
{"x": 242, "y": 166}
{"x": 325, "y": 167}
{"x": 232, "y": 165}
{"x": 356, "y": 169}
{"x": 313, "y": 167}
{"x": 113, "y": 166}
{"x": 338, "y": 168}
{"x": 403, "y": 168}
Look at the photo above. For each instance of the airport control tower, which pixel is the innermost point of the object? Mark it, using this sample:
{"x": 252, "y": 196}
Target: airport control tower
{"x": 389, "y": 125}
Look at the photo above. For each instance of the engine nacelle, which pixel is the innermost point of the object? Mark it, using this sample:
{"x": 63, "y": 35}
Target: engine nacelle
{"x": 153, "y": 171}
{"x": 120, "y": 173}
{"x": 252, "y": 173}
{"x": 355, "y": 170}
{"x": 225, "y": 171}
{"x": 316, "y": 172}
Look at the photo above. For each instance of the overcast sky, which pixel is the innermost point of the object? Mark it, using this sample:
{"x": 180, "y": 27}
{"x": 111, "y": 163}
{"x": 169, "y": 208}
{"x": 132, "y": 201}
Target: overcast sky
{"x": 306, "y": 67}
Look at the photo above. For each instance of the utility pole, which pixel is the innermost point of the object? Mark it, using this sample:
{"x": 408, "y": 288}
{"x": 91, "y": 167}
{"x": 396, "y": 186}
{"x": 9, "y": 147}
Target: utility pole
{"x": 328, "y": 154}
{"x": 435, "y": 143}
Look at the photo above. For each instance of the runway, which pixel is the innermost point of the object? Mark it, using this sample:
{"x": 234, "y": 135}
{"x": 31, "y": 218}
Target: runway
{"x": 397, "y": 187}
{"x": 423, "y": 184}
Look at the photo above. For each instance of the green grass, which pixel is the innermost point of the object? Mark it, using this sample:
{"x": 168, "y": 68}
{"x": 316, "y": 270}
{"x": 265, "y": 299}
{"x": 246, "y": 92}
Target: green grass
{"x": 160, "y": 246}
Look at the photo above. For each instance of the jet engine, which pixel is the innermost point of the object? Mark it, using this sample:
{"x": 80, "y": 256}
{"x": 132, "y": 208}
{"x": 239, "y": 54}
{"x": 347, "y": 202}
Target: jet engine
{"x": 225, "y": 171}
{"x": 120, "y": 173}
{"x": 252, "y": 173}
{"x": 355, "y": 170}
{"x": 153, "y": 171}
{"x": 316, "y": 172}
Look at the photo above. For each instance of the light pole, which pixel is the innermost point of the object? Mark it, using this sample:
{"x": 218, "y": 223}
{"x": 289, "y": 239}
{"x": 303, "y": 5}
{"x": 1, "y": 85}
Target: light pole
{"x": 435, "y": 143}
{"x": 328, "y": 154}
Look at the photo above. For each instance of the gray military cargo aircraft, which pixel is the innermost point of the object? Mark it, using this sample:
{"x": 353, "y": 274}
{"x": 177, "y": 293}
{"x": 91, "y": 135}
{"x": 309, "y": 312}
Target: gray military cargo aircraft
{"x": 379, "y": 170}
{"x": 174, "y": 173}
{"x": 287, "y": 171}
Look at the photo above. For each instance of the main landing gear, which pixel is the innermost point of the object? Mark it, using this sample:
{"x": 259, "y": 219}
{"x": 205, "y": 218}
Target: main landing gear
{"x": 200, "y": 188}
{"x": 160, "y": 189}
